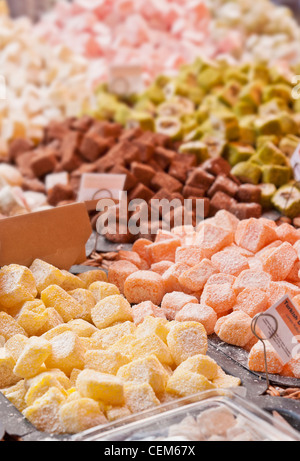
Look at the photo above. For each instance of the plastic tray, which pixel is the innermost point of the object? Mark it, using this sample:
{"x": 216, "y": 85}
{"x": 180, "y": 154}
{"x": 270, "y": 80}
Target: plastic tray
{"x": 154, "y": 425}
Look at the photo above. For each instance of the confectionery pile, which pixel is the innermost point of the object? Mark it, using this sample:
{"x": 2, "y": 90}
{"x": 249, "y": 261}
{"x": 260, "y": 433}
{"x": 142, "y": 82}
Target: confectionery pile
{"x": 195, "y": 105}
{"x": 60, "y": 361}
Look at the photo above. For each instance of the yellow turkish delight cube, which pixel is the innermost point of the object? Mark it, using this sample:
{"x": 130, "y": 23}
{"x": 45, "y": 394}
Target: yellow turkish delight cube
{"x": 185, "y": 383}
{"x": 16, "y": 395}
{"x": 92, "y": 276}
{"x": 105, "y": 361}
{"x": 108, "y": 336}
{"x": 101, "y": 386}
{"x": 2, "y": 341}
{"x": 45, "y": 275}
{"x": 41, "y": 385}
{"x": 15, "y": 346}
{"x": 140, "y": 397}
{"x": 124, "y": 344}
{"x": 56, "y": 331}
{"x": 17, "y": 285}
{"x": 71, "y": 282}
{"x": 7, "y": 375}
{"x": 74, "y": 375}
{"x": 153, "y": 325}
{"x": 80, "y": 415}
{"x": 86, "y": 299}
{"x": 53, "y": 319}
{"x": 32, "y": 317}
{"x": 187, "y": 339}
{"x": 82, "y": 328}
{"x": 9, "y": 326}
{"x": 146, "y": 370}
{"x": 44, "y": 414}
{"x": 116, "y": 413}
{"x": 67, "y": 353}
{"x": 101, "y": 290}
{"x": 55, "y": 373}
{"x": 200, "y": 364}
{"x": 224, "y": 381}
{"x": 35, "y": 353}
{"x": 67, "y": 307}
{"x": 152, "y": 345}
{"x": 110, "y": 310}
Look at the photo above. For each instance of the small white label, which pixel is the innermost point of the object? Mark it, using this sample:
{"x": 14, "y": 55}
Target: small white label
{"x": 295, "y": 163}
{"x": 285, "y": 317}
{"x": 94, "y": 186}
{"x": 125, "y": 80}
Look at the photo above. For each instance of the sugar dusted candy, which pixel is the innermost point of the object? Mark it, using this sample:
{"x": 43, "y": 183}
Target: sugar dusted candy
{"x": 15, "y": 346}
{"x": 101, "y": 290}
{"x": 16, "y": 395}
{"x": 252, "y": 301}
{"x": 212, "y": 239}
{"x": 105, "y": 361}
{"x": 194, "y": 279}
{"x": 71, "y": 282}
{"x": 151, "y": 325}
{"x": 146, "y": 370}
{"x": 17, "y": 285}
{"x": 151, "y": 345}
{"x": 7, "y": 375}
{"x": 280, "y": 261}
{"x": 223, "y": 381}
{"x": 161, "y": 267}
{"x": 80, "y": 415}
{"x": 116, "y": 413}
{"x": 45, "y": 274}
{"x": 256, "y": 360}
{"x": 90, "y": 277}
{"x": 35, "y": 353}
{"x": 164, "y": 250}
{"x": 252, "y": 279}
{"x": 230, "y": 262}
{"x": 9, "y": 326}
{"x": 200, "y": 364}
{"x": 220, "y": 297}
{"x": 82, "y": 328}
{"x": 187, "y": 339}
{"x": 140, "y": 397}
{"x": 44, "y": 413}
{"x": 172, "y": 303}
{"x": 185, "y": 383}
{"x": 40, "y": 385}
{"x": 101, "y": 386}
{"x": 87, "y": 301}
{"x": 235, "y": 328}
{"x": 144, "y": 286}
{"x": 110, "y": 310}
{"x": 254, "y": 234}
{"x": 67, "y": 307}
{"x": 67, "y": 353}
{"x": 107, "y": 337}
{"x": 200, "y": 313}
{"x": 171, "y": 277}
{"x": 119, "y": 271}
{"x": 32, "y": 317}
{"x": 146, "y": 309}
{"x": 53, "y": 319}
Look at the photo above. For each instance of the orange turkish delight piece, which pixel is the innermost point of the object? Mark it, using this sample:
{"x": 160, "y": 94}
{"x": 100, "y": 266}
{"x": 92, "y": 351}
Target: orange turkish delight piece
{"x": 144, "y": 286}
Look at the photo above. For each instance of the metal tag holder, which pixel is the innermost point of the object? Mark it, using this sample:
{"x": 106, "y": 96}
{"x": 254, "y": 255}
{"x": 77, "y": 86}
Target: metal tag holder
{"x": 260, "y": 338}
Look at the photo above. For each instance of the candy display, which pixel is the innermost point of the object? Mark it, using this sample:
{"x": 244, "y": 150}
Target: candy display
{"x": 162, "y": 35}
{"x": 60, "y": 360}
{"x": 243, "y": 113}
{"x": 50, "y": 173}
{"x": 149, "y": 221}
{"x": 221, "y": 275}
{"x": 47, "y": 83}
